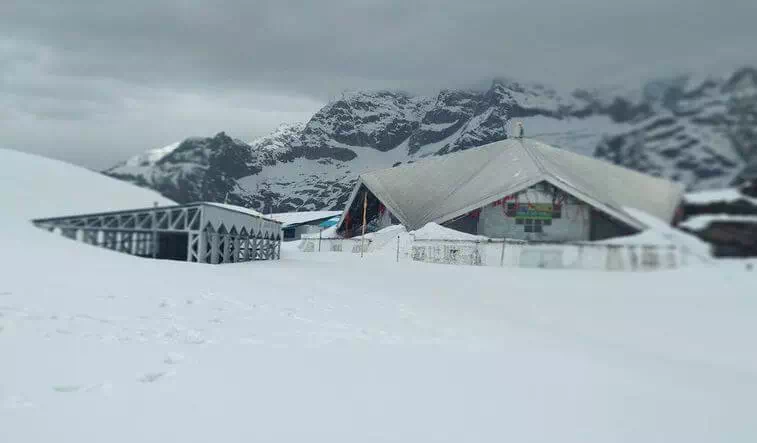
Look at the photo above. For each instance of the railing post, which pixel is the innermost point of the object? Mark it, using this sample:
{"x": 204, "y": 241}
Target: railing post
{"x": 502, "y": 254}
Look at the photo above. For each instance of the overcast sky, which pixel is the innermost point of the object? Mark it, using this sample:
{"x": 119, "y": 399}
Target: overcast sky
{"x": 95, "y": 81}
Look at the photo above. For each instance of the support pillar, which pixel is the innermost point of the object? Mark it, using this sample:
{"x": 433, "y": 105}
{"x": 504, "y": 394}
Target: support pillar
{"x": 214, "y": 252}
{"x": 236, "y": 255}
{"x": 202, "y": 246}
{"x": 256, "y": 246}
{"x": 191, "y": 241}
{"x": 269, "y": 249}
{"x": 247, "y": 248}
{"x": 226, "y": 248}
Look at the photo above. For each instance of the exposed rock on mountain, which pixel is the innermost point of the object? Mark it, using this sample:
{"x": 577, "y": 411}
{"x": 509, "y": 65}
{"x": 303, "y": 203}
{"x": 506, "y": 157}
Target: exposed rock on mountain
{"x": 702, "y": 132}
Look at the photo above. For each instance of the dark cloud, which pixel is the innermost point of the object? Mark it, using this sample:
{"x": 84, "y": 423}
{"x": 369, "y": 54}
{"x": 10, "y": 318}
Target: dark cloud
{"x": 86, "y": 61}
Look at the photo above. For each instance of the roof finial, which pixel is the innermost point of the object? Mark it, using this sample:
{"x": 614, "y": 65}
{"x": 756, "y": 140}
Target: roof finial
{"x": 519, "y": 131}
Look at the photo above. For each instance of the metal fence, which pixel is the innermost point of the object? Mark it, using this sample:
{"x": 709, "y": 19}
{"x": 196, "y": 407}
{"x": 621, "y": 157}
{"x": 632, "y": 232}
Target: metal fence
{"x": 516, "y": 253}
{"x": 597, "y": 256}
{"x": 350, "y": 245}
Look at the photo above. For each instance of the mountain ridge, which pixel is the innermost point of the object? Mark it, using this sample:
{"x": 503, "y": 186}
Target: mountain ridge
{"x": 700, "y": 132}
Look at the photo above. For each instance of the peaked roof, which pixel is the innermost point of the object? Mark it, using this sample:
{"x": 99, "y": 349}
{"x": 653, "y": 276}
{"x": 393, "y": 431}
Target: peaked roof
{"x": 442, "y": 188}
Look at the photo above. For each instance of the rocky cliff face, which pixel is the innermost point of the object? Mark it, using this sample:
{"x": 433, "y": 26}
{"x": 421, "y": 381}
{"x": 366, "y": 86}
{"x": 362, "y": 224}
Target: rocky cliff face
{"x": 702, "y": 132}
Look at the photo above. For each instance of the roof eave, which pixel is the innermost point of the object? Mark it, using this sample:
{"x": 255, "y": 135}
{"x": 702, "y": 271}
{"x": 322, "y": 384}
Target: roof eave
{"x": 490, "y": 199}
{"x": 604, "y": 207}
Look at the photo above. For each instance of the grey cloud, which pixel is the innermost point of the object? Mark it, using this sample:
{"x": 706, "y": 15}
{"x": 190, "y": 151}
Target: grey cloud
{"x": 275, "y": 59}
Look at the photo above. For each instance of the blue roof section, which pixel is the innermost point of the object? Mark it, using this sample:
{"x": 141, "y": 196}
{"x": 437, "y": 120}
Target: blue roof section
{"x": 289, "y": 219}
{"x": 330, "y": 222}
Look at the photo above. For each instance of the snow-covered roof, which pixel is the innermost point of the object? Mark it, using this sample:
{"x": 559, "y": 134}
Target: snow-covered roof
{"x": 298, "y": 218}
{"x": 232, "y": 208}
{"x": 240, "y": 209}
{"x": 703, "y": 221}
{"x": 728, "y": 195}
{"x": 442, "y": 188}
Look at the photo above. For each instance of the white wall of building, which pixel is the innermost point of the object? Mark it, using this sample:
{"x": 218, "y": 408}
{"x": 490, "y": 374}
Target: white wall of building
{"x": 572, "y": 222}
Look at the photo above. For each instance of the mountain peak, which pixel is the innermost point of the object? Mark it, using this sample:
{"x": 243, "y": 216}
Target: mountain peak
{"x": 699, "y": 131}
{"x": 743, "y": 80}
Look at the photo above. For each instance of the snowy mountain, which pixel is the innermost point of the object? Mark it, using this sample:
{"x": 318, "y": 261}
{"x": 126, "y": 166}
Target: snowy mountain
{"x": 700, "y": 131}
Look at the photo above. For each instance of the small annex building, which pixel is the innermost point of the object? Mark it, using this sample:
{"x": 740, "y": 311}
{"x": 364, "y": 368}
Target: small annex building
{"x": 295, "y": 224}
{"x": 516, "y": 188}
{"x": 202, "y": 232}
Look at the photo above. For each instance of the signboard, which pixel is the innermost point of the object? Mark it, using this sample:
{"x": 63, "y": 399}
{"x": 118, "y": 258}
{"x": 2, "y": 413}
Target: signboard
{"x": 534, "y": 211}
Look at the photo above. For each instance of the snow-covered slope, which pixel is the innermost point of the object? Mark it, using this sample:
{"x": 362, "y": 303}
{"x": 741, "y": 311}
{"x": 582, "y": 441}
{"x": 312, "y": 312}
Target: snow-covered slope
{"x": 700, "y": 131}
{"x": 99, "y": 346}
{"x": 38, "y": 187}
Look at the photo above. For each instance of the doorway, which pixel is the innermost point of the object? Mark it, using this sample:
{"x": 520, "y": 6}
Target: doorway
{"x": 172, "y": 245}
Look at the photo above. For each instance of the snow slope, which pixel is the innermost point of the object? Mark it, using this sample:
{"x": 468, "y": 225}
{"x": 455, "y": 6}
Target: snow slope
{"x": 37, "y": 187}
{"x": 326, "y": 347}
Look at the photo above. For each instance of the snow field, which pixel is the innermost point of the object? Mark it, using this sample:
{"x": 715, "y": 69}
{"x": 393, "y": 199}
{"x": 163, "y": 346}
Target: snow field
{"x": 99, "y": 346}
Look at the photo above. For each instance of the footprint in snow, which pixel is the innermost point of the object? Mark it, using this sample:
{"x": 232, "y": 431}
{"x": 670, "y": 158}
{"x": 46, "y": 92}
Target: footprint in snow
{"x": 67, "y": 388}
{"x": 151, "y": 377}
{"x": 173, "y": 358}
{"x": 16, "y": 402}
{"x": 105, "y": 387}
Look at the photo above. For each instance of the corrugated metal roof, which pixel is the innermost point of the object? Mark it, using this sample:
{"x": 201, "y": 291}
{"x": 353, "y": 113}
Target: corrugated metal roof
{"x": 442, "y": 188}
{"x": 233, "y": 208}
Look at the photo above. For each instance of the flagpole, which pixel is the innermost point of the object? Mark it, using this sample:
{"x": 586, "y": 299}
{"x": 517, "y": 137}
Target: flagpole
{"x": 362, "y": 239}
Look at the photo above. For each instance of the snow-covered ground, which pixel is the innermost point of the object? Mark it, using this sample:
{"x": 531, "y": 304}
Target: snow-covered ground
{"x": 98, "y": 346}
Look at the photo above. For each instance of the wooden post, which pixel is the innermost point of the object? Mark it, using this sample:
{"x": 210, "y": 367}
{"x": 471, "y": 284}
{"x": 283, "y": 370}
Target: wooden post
{"x": 365, "y": 208}
{"x": 502, "y": 254}
{"x": 320, "y": 233}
